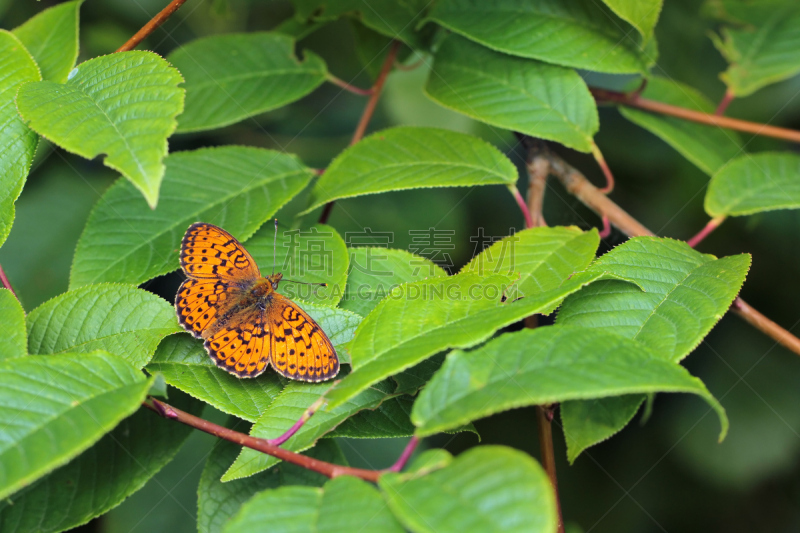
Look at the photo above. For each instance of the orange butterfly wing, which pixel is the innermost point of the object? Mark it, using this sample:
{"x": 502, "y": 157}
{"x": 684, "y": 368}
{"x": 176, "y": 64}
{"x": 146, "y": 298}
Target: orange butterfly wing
{"x": 242, "y": 346}
{"x": 209, "y": 252}
{"x": 300, "y": 349}
{"x": 200, "y": 302}
{"x": 243, "y": 338}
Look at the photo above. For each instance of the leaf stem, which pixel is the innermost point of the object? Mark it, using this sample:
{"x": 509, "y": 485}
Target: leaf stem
{"x": 633, "y": 100}
{"x": 522, "y": 205}
{"x": 369, "y": 110}
{"x": 6, "y": 283}
{"x": 544, "y": 422}
{"x": 308, "y": 413}
{"x": 262, "y": 445}
{"x": 601, "y": 161}
{"x": 703, "y": 233}
{"x": 405, "y": 456}
{"x": 576, "y": 184}
{"x": 724, "y": 103}
{"x": 151, "y": 26}
{"x": 347, "y": 87}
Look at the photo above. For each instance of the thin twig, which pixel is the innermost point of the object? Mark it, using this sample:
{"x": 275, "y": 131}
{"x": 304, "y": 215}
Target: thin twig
{"x": 6, "y": 283}
{"x": 703, "y": 233}
{"x": 577, "y": 185}
{"x": 347, "y": 87}
{"x": 151, "y": 26}
{"x": 696, "y": 116}
{"x": 366, "y": 116}
{"x": 262, "y": 445}
{"x": 538, "y": 170}
{"x": 545, "y": 425}
{"x": 405, "y": 456}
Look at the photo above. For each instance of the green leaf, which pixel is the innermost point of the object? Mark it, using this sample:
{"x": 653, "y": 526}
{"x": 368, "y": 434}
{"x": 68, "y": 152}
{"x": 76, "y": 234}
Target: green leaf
{"x": 54, "y": 407}
{"x": 375, "y": 271}
{"x": 397, "y": 20}
{"x": 122, "y": 105}
{"x": 287, "y": 409}
{"x": 589, "y": 422}
{"x": 13, "y": 336}
{"x": 524, "y": 95}
{"x": 343, "y": 504}
{"x": 707, "y": 147}
{"x": 684, "y": 295}
{"x": 573, "y": 33}
{"x": 18, "y": 143}
{"x": 544, "y": 257}
{"x": 455, "y": 312}
{"x": 487, "y": 488}
{"x": 391, "y": 418}
{"x": 120, "y": 319}
{"x": 218, "y": 501}
{"x": 102, "y": 477}
{"x": 234, "y": 187}
{"x": 543, "y": 366}
{"x": 641, "y": 14}
{"x": 316, "y": 254}
{"x": 238, "y": 75}
{"x": 763, "y": 48}
{"x": 410, "y": 158}
{"x": 51, "y": 36}
{"x": 185, "y": 364}
{"x": 755, "y": 183}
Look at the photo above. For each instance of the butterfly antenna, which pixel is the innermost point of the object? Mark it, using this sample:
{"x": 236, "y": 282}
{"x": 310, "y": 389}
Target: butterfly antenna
{"x": 304, "y": 282}
{"x": 274, "y": 246}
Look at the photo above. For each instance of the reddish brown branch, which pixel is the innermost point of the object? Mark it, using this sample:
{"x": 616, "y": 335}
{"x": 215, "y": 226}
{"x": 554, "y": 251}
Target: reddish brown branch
{"x": 538, "y": 170}
{"x": 369, "y": 110}
{"x": 262, "y": 445}
{"x": 6, "y": 283}
{"x": 634, "y": 100}
{"x": 601, "y": 161}
{"x": 151, "y": 26}
{"x": 544, "y": 421}
{"x": 577, "y": 185}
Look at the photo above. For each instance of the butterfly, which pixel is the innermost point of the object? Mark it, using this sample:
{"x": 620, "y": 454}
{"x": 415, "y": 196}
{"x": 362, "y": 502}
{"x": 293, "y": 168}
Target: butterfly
{"x": 245, "y": 323}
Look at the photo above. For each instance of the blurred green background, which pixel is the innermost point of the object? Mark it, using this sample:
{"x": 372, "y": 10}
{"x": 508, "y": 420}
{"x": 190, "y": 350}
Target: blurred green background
{"x": 666, "y": 475}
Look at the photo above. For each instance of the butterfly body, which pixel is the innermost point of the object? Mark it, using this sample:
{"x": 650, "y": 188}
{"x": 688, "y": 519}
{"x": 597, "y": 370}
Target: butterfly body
{"x": 245, "y": 323}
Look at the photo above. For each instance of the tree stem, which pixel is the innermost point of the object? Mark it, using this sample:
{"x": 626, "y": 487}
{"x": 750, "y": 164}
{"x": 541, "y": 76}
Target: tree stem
{"x": 576, "y": 184}
{"x": 545, "y": 426}
{"x": 151, "y": 26}
{"x": 529, "y": 222}
{"x": 262, "y": 445}
{"x": 406, "y": 455}
{"x": 366, "y": 116}
{"x": 696, "y": 116}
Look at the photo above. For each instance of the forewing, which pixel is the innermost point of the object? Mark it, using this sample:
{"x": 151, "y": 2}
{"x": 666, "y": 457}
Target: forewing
{"x": 210, "y": 252}
{"x": 241, "y": 346}
{"x": 200, "y": 301}
{"x": 300, "y": 349}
